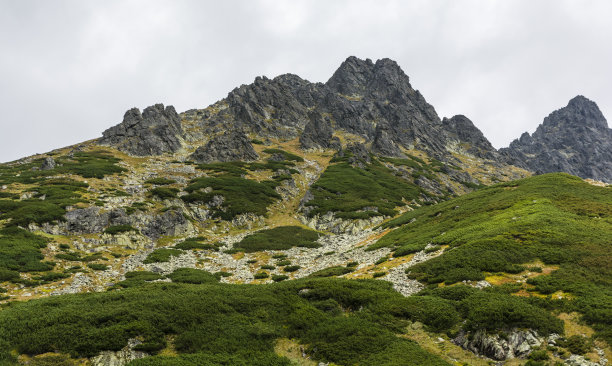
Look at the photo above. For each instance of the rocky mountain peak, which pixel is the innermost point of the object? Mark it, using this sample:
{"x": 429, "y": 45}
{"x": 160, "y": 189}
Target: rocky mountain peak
{"x": 579, "y": 112}
{"x": 574, "y": 139}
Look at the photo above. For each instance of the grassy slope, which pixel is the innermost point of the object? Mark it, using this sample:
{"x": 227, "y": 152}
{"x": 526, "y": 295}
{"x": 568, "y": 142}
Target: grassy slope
{"x": 555, "y": 218}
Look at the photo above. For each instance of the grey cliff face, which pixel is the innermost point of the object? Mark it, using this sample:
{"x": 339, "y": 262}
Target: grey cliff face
{"x": 574, "y": 139}
{"x": 318, "y": 134}
{"x": 460, "y": 127}
{"x": 230, "y": 146}
{"x": 156, "y": 131}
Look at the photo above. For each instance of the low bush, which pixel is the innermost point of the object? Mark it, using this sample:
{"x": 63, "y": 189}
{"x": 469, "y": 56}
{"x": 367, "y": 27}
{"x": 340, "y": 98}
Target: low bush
{"x": 332, "y": 271}
{"x": 119, "y": 229}
{"x": 162, "y": 255}
{"x": 279, "y": 238}
{"x": 164, "y": 193}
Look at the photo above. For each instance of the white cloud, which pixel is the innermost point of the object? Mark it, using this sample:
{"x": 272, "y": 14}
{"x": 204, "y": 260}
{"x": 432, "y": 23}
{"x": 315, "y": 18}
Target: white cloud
{"x": 69, "y": 69}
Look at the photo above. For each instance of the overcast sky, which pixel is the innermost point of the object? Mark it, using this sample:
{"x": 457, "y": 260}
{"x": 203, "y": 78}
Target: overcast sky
{"x": 70, "y": 69}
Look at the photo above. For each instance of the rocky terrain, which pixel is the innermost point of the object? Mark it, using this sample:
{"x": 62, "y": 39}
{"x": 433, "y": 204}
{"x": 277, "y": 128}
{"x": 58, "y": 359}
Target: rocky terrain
{"x": 286, "y": 181}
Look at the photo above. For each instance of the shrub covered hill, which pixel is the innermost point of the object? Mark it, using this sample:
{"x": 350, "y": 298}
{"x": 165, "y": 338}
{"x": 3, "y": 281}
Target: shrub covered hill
{"x": 299, "y": 223}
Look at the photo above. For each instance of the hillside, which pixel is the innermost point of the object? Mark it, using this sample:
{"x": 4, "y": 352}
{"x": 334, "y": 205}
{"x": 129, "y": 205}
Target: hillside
{"x": 293, "y": 223}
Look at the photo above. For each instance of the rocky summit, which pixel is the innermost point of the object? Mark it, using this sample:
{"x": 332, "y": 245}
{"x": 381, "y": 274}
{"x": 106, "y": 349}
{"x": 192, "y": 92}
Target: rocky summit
{"x": 575, "y": 139}
{"x": 300, "y": 223}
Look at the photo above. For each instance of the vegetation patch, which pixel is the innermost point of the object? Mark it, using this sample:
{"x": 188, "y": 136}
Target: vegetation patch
{"x": 120, "y": 229}
{"x": 240, "y": 195}
{"x": 360, "y": 193}
{"x": 164, "y": 193}
{"x": 332, "y": 271}
{"x": 555, "y": 218}
{"x": 279, "y": 238}
{"x": 20, "y": 252}
{"x": 160, "y": 181}
{"x": 191, "y": 275}
{"x": 341, "y": 321}
{"x": 162, "y": 255}
{"x": 195, "y": 243}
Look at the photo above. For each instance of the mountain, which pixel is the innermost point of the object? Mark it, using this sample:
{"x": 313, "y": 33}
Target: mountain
{"x": 575, "y": 139}
{"x": 297, "y": 223}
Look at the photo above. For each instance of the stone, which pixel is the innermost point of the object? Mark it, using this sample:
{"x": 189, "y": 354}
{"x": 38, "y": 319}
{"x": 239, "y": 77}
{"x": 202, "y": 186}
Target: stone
{"x": 48, "y": 163}
{"x": 230, "y": 146}
{"x": 575, "y": 139}
{"x": 121, "y": 357}
{"x": 156, "y": 131}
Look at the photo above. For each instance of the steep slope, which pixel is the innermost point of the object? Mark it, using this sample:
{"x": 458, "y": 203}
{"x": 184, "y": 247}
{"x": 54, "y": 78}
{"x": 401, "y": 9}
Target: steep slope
{"x": 574, "y": 139}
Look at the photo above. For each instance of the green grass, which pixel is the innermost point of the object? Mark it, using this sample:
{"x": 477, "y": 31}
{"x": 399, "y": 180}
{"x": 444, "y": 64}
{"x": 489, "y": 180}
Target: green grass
{"x": 555, "y": 218}
{"x": 349, "y": 191}
{"x": 278, "y": 238}
{"x": 341, "y": 321}
{"x": 162, "y": 255}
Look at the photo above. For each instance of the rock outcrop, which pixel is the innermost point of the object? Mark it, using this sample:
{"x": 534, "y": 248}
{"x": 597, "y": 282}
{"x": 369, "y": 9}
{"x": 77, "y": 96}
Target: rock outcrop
{"x": 156, "y": 131}
{"x": 575, "y": 139}
{"x": 230, "y": 146}
{"x": 318, "y": 134}
{"x": 515, "y": 343}
{"x": 470, "y": 138}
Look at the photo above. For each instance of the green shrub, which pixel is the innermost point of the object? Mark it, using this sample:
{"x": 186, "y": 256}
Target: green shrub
{"x": 164, "y": 193}
{"x": 291, "y": 268}
{"x": 162, "y": 255}
{"x": 279, "y": 238}
{"x": 20, "y": 252}
{"x": 138, "y": 278}
{"x": 349, "y": 191}
{"x": 576, "y": 344}
{"x": 268, "y": 266}
{"x": 240, "y": 195}
{"x": 261, "y": 275}
{"x": 119, "y": 229}
{"x": 97, "y": 266}
{"x": 217, "y": 320}
{"x": 279, "y": 278}
{"x": 195, "y": 243}
{"x": 191, "y": 275}
{"x": 332, "y": 271}
{"x": 379, "y": 274}
{"x": 160, "y": 181}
